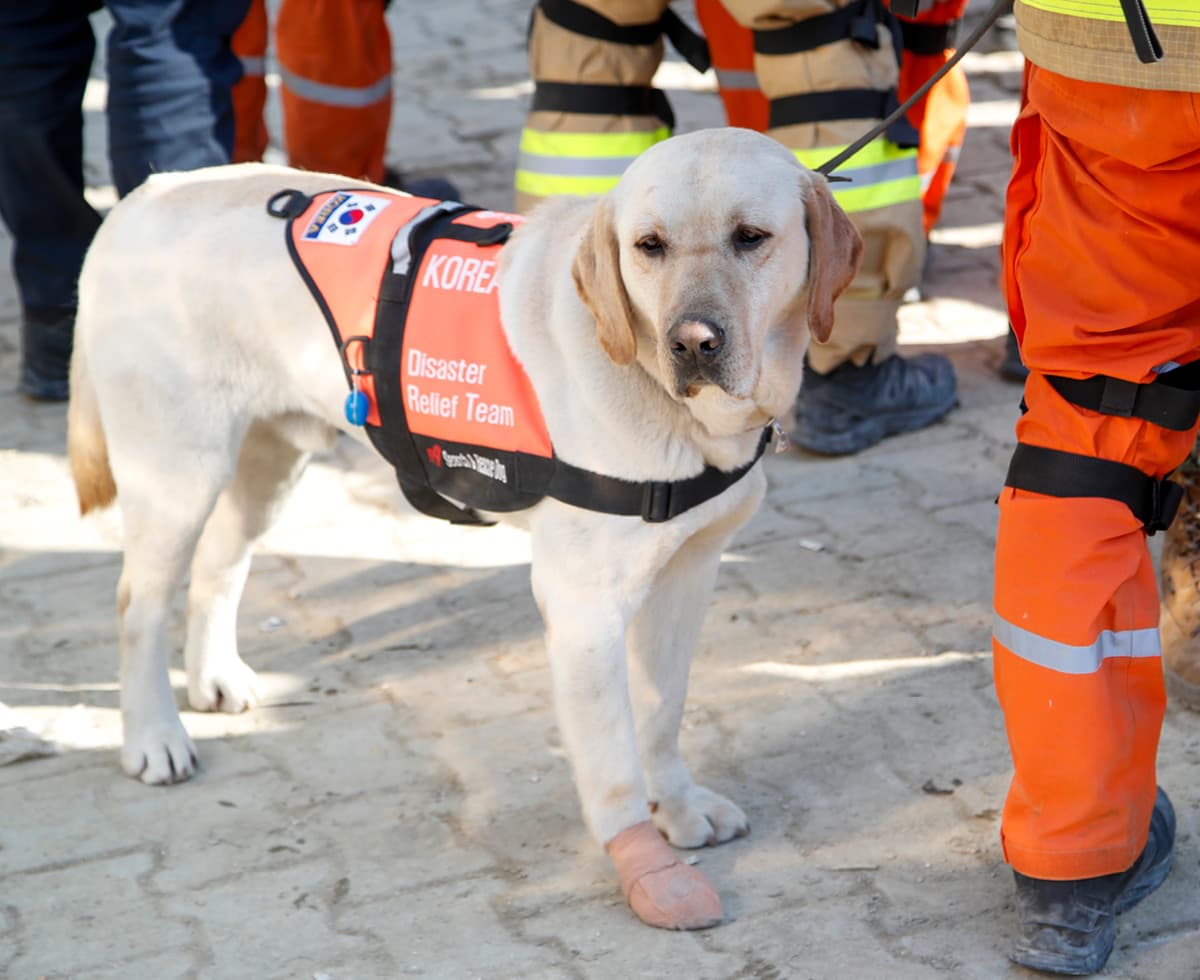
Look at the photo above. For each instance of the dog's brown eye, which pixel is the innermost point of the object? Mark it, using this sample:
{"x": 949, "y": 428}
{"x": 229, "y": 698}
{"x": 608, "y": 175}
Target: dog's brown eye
{"x": 747, "y": 238}
{"x": 651, "y": 245}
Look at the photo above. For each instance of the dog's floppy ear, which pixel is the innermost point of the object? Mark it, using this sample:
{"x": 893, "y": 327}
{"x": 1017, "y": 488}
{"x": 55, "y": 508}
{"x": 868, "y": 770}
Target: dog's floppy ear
{"x": 834, "y": 251}
{"x": 597, "y": 275}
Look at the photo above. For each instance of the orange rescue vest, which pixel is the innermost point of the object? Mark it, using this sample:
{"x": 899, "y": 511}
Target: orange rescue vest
{"x": 408, "y": 286}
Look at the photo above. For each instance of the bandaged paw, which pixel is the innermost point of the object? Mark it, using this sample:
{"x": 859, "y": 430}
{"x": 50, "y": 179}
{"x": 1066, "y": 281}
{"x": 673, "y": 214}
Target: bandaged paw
{"x": 662, "y": 890}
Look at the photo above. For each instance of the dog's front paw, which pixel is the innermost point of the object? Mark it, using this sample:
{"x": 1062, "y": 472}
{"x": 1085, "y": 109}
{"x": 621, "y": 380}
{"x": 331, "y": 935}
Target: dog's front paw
{"x": 700, "y": 818}
{"x": 159, "y": 753}
{"x": 232, "y": 687}
{"x": 661, "y": 890}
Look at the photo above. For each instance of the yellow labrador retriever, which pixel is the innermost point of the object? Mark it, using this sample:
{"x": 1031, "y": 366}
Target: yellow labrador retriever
{"x": 662, "y": 327}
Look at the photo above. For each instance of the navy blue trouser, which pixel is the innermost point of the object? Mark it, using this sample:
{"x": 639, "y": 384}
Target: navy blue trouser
{"x": 170, "y": 71}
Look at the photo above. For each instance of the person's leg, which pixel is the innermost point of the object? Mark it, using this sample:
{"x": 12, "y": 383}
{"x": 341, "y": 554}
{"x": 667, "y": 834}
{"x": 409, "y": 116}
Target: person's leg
{"x": 171, "y": 73}
{"x": 940, "y": 117}
{"x": 731, "y": 47}
{"x": 46, "y": 50}
{"x": 829, "y": 76}
{"x": 249, "y": 43}
{"x": 336, "y": 94}
{"x": 1076, "y": 643}
{"x": 593, "y": 109}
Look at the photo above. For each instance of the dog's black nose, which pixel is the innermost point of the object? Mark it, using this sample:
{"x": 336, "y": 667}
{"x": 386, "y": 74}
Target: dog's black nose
{"x": 695, "y": 337}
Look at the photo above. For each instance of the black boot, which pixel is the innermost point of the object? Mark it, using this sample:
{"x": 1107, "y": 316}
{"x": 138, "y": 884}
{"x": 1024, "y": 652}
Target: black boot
{"x": 1069, "y": 926}
{"x": 46, "y": 339}
{"x": 1012, "y": 368}
{"x": 853, "y": 407}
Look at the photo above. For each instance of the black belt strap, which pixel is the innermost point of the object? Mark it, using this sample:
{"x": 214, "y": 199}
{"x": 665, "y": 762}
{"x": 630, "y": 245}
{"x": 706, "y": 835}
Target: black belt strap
{"x": 1159, "y": 402}
{"x": 654, "y": 501}
{"x": 602, "y": 100}
{"x": 578, "y": 19}
{"x": 810, "y": 107}
{"x": 928, "y": 38}
{"x": 857, "y": 22}
{"x": 860, "y": 103}
{"x": 1145, "y": 40}
{"x": 1061, "y": 474}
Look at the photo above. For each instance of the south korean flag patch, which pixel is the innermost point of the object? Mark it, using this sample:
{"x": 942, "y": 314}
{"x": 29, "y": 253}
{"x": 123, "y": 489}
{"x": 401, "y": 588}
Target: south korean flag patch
{"x": 344, "y": 217}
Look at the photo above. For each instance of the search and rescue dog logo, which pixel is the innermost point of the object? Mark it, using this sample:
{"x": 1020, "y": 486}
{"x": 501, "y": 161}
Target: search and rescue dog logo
{"x": 487, "y": 466}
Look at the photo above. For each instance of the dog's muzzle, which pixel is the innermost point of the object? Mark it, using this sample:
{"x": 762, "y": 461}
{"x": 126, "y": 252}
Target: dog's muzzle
{"x": 697, "y": 347}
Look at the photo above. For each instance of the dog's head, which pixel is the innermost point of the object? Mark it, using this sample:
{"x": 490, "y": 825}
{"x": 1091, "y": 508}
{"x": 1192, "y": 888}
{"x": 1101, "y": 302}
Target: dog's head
{"x": 711, "y": 262}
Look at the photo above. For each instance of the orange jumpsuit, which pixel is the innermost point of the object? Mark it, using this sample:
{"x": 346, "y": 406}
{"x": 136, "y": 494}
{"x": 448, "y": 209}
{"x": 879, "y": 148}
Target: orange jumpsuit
{"x": 940, "y": 117}
{"x": 1101, "y": 247}
{"x": 335, "y": 61}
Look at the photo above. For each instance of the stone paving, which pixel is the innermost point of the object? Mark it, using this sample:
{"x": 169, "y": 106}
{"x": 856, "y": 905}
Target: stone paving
{"x": 400, "y": 806}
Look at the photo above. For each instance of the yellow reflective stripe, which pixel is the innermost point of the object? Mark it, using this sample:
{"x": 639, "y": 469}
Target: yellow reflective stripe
{"x": 1178, "y": 12}
{"x": 882, "y": 174}
{"x": 877, "y": 151}
{"x": 544, "y": 185}
{"x": 877, "y": 195}
{"x": 578, "y": 164}
{"x": 590, "y": 144}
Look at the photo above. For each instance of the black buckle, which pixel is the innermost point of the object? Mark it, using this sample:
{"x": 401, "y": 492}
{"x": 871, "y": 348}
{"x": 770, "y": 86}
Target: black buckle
{"x": 1165, "y": 498}
{"x": 656, "y": 502}
{"x": 1119, "y": 397}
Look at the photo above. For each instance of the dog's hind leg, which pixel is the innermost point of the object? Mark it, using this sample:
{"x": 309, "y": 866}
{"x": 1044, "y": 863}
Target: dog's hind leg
{"x": 164, "y": 508}
{"x": 268, "y": 467}
{"x": 662, "y": 640}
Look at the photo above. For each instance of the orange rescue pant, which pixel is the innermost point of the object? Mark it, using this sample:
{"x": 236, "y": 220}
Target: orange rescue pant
{"x": 731, "y": 47}
{"x": 940, "y": 117}
{"x": 335, "y": 61}
{"x": 1101, "y": 248}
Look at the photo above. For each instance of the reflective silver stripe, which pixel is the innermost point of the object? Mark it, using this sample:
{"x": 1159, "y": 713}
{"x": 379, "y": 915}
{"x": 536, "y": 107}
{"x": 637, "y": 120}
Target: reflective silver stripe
{"x": 1068, "y": 659}
{"x": 401, "y": 256}
{"x": 731, "y": 80}
{"x": 338, "y": 95}
{"x": 538, "y": 163}
{"x": 879, "y": 173}
{"x": 256, "y": 67}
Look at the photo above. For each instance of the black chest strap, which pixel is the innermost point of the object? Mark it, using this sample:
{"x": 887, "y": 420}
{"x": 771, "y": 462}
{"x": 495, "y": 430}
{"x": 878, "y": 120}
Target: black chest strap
{"x": 654, "y": 501}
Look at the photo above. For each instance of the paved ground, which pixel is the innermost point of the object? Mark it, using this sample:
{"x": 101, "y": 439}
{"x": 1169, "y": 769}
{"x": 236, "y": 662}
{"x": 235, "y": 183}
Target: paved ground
{"x": 401, "y": 806}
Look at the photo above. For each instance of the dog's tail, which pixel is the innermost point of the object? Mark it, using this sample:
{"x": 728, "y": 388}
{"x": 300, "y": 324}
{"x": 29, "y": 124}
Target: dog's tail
{"x": 86, "y": 445}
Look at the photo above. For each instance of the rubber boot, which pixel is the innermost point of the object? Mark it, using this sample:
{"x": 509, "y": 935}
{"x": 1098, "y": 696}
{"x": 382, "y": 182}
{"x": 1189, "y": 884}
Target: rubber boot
{"x": 1179, "y": 572}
